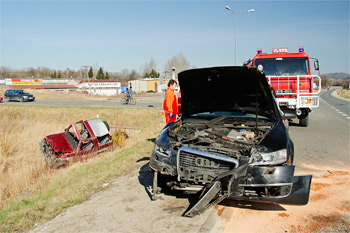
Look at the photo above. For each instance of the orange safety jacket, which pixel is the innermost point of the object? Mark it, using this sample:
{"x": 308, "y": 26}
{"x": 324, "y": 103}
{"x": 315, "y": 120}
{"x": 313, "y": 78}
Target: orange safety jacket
{"x": 170, "y": 103}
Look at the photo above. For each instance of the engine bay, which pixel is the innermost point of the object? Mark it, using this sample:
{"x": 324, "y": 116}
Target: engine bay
{"x": 225, "y": 136}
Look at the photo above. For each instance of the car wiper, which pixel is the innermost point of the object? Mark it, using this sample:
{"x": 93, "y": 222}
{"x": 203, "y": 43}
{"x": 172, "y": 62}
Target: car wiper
{"x": 214, "y": 121}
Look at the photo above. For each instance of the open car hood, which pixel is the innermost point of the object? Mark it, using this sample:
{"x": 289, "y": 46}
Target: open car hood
{"x": 229, "y": 89}
{"x": 59, "y": 143}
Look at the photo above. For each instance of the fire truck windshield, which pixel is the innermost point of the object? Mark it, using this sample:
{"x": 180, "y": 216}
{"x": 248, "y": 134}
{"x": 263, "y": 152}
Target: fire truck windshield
{"x": 284, "y": 66}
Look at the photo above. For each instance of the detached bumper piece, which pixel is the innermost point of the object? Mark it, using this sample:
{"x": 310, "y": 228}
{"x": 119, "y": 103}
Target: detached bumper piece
{"x": 253, "y": 183}
{"x": 274, "y": 185}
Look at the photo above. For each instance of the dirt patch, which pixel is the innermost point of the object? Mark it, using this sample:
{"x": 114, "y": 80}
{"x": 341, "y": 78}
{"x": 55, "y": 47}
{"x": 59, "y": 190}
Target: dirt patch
{"x": 327, "y": 210}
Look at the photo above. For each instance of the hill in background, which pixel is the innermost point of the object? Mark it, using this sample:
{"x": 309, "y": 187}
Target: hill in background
{"x": 338, "y": 76}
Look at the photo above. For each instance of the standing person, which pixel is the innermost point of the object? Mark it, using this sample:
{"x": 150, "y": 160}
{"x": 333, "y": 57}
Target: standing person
{"x": 170, "y": 103}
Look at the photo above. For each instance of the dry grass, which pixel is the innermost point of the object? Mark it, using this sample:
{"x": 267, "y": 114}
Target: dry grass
{"x": 345, "y": 93}
{"x": 29, "y": 187}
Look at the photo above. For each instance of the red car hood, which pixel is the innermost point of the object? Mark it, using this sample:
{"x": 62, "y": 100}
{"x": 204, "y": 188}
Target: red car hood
{"x": 59, "y": 143}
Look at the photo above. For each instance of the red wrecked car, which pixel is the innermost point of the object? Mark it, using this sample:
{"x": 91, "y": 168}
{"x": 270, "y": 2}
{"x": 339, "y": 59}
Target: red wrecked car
{"x": 78, "y": 140}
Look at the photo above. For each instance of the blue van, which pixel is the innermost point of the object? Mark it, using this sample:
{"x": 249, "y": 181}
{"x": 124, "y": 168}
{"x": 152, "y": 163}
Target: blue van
{"x": 20, "y": 95}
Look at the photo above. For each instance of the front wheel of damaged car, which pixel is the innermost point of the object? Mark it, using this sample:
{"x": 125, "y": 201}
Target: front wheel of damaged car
{"x": 45, "y": 150}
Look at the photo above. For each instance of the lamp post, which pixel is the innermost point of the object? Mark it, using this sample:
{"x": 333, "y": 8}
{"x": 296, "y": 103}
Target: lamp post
{"x": 237, "y": 13}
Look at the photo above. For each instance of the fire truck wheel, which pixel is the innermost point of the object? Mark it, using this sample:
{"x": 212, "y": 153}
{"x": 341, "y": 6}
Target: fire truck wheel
{"x": 304, "y": 121}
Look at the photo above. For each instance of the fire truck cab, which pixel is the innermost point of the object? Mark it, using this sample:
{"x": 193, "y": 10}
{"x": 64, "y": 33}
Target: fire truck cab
{"x": 290, "y": 76}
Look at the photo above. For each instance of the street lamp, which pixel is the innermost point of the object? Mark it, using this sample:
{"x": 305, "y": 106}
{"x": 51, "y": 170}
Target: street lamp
{"x": 236, "y": 13}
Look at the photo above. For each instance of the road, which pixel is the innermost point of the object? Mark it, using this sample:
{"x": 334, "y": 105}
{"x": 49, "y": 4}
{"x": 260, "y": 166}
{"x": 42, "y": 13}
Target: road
{"x": 342, "y": 106}
{"x": 141, "y": 102}
{"x": 322, "y": 150}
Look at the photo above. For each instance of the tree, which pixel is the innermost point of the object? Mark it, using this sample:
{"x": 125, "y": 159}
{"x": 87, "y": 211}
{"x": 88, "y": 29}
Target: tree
{"x": 106, "y": 76}
{"x": 5, "y": 72}
{"x": 59, "y": 75}
{"x": 326, "y": 81}
{"x": 152, "y": 74}
{"x": 53, "y": 75}
{"x": 148, "y": 67}
{"x": 90, "y": 73}
{"x": 178, "y": 62}
{"x": 133, "y": 75}
{"x": 100, "y": 74}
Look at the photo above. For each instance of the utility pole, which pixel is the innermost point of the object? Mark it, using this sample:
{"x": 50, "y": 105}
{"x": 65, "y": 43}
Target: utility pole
{"x": 87, "y": 76}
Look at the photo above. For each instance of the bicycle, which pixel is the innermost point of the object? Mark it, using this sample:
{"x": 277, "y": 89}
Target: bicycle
{"x": 129, "y": 100}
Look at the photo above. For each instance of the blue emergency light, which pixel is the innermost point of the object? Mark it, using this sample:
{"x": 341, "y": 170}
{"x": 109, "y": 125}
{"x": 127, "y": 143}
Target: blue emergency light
{"x": 259, "y": 51}
{"x": 301, "y": 49}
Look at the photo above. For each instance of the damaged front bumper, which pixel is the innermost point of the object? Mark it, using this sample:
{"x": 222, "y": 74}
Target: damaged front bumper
{"x": 275, "y": 184}
{"x": 253, "y": 183}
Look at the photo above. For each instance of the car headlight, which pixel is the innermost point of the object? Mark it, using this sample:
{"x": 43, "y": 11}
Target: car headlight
{"x": 159, "y": 150}
{"x": 268, "y": 158}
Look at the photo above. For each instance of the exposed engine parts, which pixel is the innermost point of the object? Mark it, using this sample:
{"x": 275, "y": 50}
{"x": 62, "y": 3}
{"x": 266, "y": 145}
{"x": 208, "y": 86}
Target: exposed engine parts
{"x": 226, "y": 139}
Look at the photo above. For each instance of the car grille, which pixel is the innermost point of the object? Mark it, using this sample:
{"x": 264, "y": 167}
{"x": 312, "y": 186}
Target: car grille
{"x": 199, "y": 166}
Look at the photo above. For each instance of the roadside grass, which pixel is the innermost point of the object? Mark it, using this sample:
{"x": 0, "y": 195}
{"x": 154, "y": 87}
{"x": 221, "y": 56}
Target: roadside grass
{"x": 345, "y": 93}
{"x": 30, "y": 191}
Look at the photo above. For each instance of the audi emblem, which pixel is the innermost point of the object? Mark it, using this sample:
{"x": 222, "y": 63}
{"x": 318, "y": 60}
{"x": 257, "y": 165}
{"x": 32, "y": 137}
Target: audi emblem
{"x": 202, "y": 162}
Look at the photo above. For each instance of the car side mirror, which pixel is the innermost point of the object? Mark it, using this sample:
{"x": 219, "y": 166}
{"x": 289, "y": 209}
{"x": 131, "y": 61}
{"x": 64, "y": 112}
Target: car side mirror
{"x": 288, "y": 115}
{"x": 317, "y": 67}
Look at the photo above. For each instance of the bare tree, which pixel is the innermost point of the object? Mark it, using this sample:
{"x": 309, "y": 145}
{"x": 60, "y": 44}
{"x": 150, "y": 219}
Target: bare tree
{"x": 326, "y": 81}
{"x": 179, "y": 62}
{"x": 5, "y": 72}
{"x": 95, "y": 69}
{"x": 149, "y": 66}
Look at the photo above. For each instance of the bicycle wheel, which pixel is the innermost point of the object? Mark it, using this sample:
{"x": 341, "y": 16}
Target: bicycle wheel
{"x": 132, "y": 101}
{"x": 123, "y": 100}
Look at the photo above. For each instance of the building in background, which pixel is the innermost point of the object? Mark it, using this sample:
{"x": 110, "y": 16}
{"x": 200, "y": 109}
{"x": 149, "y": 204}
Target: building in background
{"x": 148, "y": 85}
{"x": 100, "y": 87}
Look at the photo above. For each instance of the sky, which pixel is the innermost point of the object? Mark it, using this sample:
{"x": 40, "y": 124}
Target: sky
{"x": 117, "y": 35}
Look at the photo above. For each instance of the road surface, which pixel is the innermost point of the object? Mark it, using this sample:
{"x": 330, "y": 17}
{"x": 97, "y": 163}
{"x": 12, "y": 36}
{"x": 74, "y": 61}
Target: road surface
{"x": 141, "y": 102}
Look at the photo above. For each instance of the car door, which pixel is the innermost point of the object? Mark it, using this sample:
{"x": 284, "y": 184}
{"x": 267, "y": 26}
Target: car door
{"x": 10, "y": 94}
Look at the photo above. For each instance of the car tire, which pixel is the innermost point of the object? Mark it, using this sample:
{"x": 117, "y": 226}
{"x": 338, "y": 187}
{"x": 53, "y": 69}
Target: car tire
{"x": 304, "y": 122}
{"x": 45, "y": 150}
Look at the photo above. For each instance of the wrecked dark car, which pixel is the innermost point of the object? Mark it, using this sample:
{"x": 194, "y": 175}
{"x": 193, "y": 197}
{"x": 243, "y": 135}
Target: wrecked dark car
{"x": 230, "y": 142}
{"x": 77, "y": 141}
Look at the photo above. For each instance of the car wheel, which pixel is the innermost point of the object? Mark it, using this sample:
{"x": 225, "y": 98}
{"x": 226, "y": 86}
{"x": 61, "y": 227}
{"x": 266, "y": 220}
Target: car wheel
{"x": 119, "y": 138}
{"x": 304, "y": 121}
{"x": 21, "y": 99}
{"x": 45, "y": 150}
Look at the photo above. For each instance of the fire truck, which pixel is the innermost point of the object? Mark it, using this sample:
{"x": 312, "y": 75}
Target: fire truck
{"x": 289, "y": 74}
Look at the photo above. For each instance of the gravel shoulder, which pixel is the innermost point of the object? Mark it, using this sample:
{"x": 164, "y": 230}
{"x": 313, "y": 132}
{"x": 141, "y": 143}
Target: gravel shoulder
{"x": 126, "y": 206}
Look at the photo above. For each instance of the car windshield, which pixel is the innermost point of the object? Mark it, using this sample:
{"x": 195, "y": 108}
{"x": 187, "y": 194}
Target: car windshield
{"x": 284, "y": 66}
